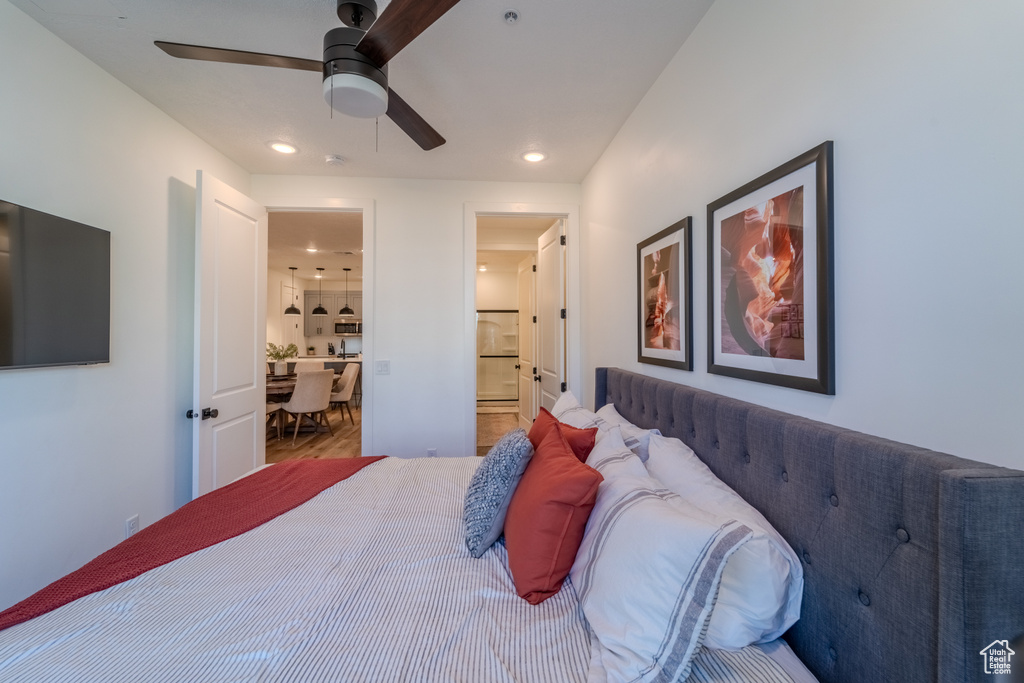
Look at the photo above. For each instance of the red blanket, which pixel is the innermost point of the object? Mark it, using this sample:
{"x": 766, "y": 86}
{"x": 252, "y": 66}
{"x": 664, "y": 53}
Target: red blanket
{"x": 219, "y": 515}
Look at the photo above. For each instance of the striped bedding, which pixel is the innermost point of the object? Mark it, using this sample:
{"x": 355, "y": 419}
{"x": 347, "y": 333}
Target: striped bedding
{"x": 368, "y": 581}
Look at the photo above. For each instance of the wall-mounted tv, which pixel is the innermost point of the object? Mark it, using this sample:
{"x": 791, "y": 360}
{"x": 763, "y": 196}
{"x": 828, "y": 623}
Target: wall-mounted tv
{"x": 54, "y": 290}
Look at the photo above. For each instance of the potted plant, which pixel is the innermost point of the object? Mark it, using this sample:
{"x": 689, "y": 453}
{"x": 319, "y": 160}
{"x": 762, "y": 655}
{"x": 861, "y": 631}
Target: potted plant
{"x": 311, "y": 350}
{"x": 279, "y": 354}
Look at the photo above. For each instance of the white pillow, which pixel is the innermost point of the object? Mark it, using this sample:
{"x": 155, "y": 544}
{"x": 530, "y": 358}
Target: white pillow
{"x": 611, "y": 457}
{"x": 567, "y": 409}
{"x": 762, "y": 587}
{"x": 647, "y": 573}
{"x": 637, "y": 439}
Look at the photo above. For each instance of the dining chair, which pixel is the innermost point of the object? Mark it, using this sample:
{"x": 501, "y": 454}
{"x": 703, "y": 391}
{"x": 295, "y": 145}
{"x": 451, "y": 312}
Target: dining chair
{"x": 312, "y": 396}
{"x": 343, "y": 393}
{"x": 308, "y": 365}
{"x": 274, "y": 416}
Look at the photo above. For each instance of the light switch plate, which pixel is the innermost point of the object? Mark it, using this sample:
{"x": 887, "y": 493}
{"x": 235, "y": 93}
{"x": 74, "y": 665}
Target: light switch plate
{"x": 383, "y": 367}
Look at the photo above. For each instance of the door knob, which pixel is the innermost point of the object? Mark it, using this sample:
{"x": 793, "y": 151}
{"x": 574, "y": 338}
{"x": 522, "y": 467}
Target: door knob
{"x": 209, "y": 412}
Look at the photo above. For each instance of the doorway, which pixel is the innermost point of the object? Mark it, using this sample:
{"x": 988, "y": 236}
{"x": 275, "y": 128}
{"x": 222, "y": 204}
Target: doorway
{"x": 506, "y": 330}
{"x": 316, "y": 264}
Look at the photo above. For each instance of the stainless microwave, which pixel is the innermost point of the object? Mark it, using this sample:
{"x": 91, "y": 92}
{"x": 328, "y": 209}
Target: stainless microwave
{"x": 348, "y": 326}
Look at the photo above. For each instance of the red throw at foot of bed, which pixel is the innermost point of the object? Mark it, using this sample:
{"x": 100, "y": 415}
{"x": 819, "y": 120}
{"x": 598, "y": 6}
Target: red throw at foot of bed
{"x": 219, "y": 515}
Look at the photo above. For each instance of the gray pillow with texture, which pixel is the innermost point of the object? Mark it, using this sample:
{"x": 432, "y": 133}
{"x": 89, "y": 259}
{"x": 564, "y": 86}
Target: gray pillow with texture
{"x": 491, "y": 488}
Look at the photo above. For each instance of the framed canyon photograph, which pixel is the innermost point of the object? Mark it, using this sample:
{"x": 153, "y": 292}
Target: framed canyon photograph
{"x": 665, "y": 297}
{"x": 770, "y": 263}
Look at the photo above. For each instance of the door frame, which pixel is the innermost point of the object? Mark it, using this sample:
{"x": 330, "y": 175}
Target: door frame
{"x": 574, "y": 364}
{"x": 339, "y": 204}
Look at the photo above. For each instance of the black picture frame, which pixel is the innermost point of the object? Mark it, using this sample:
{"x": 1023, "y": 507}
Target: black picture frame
{"x": 664, "y": 266}
{"x": 771, "y": 312}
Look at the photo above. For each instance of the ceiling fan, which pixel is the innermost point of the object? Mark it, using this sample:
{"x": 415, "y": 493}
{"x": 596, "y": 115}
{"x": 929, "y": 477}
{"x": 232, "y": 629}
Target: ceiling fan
{"x": 355, "y": 60}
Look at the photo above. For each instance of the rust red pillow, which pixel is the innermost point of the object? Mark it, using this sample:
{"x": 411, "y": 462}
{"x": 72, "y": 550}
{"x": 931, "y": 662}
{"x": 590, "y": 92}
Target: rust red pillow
{"x": 547, "y": 517}
{"x": 581, "y": 441}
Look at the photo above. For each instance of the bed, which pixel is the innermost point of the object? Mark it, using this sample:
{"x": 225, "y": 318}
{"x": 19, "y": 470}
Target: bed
{"x": 912, "y": 559}
{"x": 909, "y": 564}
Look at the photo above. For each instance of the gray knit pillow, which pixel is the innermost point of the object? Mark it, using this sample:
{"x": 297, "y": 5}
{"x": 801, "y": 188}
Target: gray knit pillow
{"x": 491, "y": 489}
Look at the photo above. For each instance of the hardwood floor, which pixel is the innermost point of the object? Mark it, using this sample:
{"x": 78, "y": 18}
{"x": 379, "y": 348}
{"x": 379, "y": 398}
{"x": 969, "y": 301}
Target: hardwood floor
{"x": 347, "y": 439}
{"x": 490, "y": 427}
{"x": 346, "y": 442}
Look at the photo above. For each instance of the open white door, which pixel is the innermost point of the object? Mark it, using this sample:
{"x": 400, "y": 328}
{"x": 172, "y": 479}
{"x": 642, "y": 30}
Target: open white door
{"x": 551, "y": 313}
{"x": 529, "y": 389}
{"x": 228, "y": 437}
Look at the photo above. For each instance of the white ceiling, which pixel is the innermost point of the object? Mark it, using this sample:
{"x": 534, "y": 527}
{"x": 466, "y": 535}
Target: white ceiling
{"x": 337, "y": 237}
{"x": 562, "y": 80}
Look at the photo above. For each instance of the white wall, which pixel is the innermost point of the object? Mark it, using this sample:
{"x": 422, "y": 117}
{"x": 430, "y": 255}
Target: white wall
{"x": 923, "y": 99}
{"x": 278, "y": 286}
{"x": 419, "y": 290}
{"x": 497, "y": 290}
{"x": 84, "y": 448}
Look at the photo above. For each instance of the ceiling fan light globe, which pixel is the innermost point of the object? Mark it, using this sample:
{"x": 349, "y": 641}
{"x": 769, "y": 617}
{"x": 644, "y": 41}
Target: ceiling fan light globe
{"x": 355, "y": 95}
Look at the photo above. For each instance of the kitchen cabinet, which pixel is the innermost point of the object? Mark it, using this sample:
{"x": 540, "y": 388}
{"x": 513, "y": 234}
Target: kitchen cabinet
{"x": 318, "y": 326}
{"x": 333, "y": 302}
{"x": 355, "y": 300}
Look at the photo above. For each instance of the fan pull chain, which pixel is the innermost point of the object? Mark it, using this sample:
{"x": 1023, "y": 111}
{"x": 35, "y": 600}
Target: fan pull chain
{"x": 376, "y": 134}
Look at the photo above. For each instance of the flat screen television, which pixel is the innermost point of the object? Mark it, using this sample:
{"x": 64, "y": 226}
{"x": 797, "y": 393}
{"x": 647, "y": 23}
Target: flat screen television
{"x": 54, "y": 290}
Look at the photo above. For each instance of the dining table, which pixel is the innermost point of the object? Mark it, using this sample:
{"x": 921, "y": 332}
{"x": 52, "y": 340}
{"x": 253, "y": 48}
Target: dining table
{"x": 280, "y": 388}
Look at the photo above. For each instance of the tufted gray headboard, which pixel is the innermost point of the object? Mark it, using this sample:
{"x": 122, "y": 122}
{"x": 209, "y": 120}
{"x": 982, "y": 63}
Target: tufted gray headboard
{"x": 913, "y": 560}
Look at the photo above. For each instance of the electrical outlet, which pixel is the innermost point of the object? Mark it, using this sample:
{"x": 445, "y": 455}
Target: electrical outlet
{"x": 383, "y": 367}
{"x": 131, "y": 526}
{"x": 431, "y": 452}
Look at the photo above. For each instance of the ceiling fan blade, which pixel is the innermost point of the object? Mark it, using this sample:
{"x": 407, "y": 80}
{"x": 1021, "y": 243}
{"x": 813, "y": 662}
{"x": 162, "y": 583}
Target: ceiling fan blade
{"x": 412, "y": 123}
{"x": 217, "y": 54}
{"x": 400, "y": 23}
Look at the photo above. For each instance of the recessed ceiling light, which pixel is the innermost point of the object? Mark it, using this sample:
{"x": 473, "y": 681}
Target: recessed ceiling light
{"x": 311, "y": 250}
{"x": 283, "y": 148}
{"x": 533, "y": 157}
{"x": 483, "y": 267}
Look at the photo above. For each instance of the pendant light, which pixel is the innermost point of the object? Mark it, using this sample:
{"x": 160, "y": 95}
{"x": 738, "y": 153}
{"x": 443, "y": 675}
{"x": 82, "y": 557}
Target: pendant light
{"x": 292, "y": 309}
{"x": 320, "y": 311}
{"x": 347, "y": 311}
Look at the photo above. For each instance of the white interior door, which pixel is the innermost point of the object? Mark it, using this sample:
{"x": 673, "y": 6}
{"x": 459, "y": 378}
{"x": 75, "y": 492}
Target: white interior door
{"x": 529, "y": 389}
{"x": 550, "y": 313}
{"x": 230, "y": 335}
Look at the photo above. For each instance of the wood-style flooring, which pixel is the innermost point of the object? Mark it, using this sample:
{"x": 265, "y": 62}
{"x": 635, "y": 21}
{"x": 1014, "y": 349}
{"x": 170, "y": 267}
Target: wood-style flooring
{"x": 346, "y": 442}
{"x": 490, "y": 427}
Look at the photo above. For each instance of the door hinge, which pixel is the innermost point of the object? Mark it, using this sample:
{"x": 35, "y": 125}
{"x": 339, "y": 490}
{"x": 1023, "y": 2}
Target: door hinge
{"x": 563, "y": 314}
{"x": 564, "y": 387}
{"x": 535, "y": 269}
{"x": 534, "y": 318}
{"x": 561, "y": 240}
